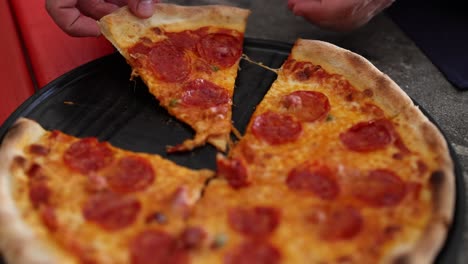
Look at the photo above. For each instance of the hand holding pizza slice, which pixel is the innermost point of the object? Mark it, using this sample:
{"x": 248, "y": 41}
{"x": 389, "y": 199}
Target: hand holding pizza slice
{"x": 188, "y": 57}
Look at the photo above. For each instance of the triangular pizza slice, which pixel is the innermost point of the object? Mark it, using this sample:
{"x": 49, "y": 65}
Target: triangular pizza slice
{"x": 188, "y": 57}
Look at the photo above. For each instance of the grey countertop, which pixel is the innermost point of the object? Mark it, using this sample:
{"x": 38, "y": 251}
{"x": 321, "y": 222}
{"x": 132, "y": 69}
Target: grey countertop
{"x": 390, "y": 50}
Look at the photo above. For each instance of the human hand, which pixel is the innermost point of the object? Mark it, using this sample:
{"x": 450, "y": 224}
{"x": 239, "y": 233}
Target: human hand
{"x": 339, "y": 15}
{"x": 78, "y": 17}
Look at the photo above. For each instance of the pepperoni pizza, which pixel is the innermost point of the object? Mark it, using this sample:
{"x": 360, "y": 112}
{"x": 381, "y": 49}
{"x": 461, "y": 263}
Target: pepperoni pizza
{"x": 337, "y": 165}
{"x": 188, "y": 57}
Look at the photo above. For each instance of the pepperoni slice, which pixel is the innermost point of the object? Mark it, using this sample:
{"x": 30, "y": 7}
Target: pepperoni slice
{"x": 369, "y": 136}
{"x": 169, "y": 62}
{"x": 338, "y": 223}
{"x": 316, "y": 179}
{"x": 381, "y": 188}
{"x": 154, "y": 246}
{"x": 130, "y": 174}
{"x": 39, "y": 193}
{"x": 307, "y": 106}
{"x": 254, "y": 222}
{"x": 111, "y": 211}
{"x": 140, "y": 48}
{"x": 220, "y": 49}
{"x": 202, "y": 93}
{"x": 234, "y": 171}
{"x": 183, "y": 39}
{"x": 48, "y": 217}
{"x": 276, "y": 128}
{"x": 88, "y": 155}
{"x": 253, "y": 252}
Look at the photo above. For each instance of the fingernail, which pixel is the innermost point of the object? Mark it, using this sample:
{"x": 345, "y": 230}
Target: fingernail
{"x": 145, "y": 8}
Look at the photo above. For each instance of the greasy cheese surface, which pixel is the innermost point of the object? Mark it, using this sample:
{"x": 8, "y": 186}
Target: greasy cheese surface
{"x": 205, "y": 122}
{"x": 384, "y": 229}
{"x": 174, "y": 190}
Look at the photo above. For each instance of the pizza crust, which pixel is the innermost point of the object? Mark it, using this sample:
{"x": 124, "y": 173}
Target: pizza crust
{"x": 356, "y": 69}
{"x": 18, "y": 241}
{"x": 171, "y": 18}
{"x": 361, "y": 73}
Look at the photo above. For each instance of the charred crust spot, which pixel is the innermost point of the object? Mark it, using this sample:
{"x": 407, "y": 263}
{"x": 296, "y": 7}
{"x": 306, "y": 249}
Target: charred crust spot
{"x": 436, "y": 178}
{"x": 303, "y": 75}
{"x": 445, "y": 223}
{"x": 402, "y": 259}
{"x": 358, "y": 63}
{"x": 157, "y": 31}
{"x": 397, "y": 156}
{"x": 19, "y": 161}
{"x": 15, "y": 130}
{"x": 383, "y": 83}
{"x": 368, "y": 93}
{"x": 354, "y": 60}
{"x": 39, "y": 150}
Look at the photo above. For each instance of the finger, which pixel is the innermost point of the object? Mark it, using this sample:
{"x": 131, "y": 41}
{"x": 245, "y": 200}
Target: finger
{"x": 381, "y": 6}
{"x": 314, "y": 11}
{"x": 83, "y": 27}
{"x": 96, "y": 8}
{"x": 142, "y": 8}
{"x": 371, "y": 9}
{"x": 70, "y": 20}
{"x": 118, "y": 2}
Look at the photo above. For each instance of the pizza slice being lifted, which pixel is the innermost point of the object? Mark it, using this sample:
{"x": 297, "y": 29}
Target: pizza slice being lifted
{"x": 188, "y": 57}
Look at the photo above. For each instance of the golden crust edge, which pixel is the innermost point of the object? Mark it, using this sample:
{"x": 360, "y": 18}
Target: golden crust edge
{"x": 442, "y": 184}
{"x": 362, "y": 73}
{"x": 18, "y": 241}
{"x": 173, "y": 18}
{"x": 356, "y": 69}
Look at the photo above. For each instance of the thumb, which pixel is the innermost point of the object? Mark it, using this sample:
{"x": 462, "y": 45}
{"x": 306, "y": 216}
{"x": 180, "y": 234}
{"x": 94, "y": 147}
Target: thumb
{"x": 142, "y": 8}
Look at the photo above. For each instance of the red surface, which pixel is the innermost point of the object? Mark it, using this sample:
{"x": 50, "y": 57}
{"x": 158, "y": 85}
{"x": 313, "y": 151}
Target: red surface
{"x": 16, "y": 84}
{"x": 52, "y": 52}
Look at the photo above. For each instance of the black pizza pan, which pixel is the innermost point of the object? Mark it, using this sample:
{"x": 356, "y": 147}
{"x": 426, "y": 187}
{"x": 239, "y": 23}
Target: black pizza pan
{"x": 98, "y": 99}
